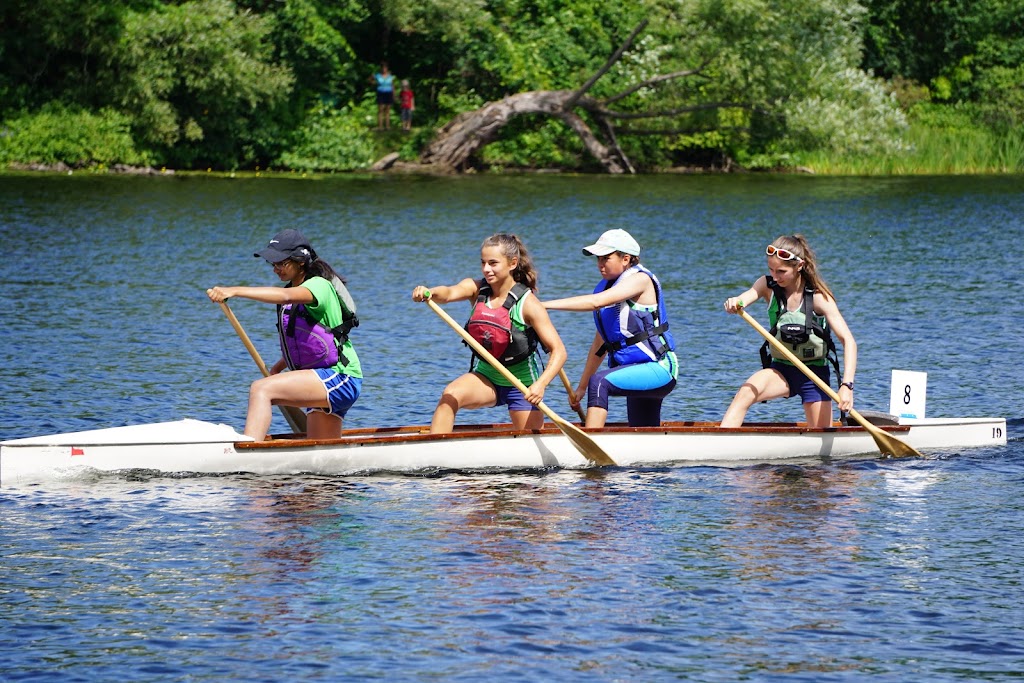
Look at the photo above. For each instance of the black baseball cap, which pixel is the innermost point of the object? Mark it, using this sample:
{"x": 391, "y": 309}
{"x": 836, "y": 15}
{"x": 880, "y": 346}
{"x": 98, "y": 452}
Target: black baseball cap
{"x": 285, "y": 244}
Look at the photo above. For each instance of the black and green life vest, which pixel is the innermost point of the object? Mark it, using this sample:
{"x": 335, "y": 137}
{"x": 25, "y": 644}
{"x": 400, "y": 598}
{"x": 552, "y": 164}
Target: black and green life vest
{"x": 802, "y": 331}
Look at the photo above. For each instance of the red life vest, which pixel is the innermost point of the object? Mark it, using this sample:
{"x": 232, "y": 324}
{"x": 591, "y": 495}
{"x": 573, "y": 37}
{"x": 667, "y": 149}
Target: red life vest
{"x": 493, "y": 327}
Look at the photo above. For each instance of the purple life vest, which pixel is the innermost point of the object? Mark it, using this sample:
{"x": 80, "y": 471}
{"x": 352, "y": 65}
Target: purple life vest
{"x": 305, "y": 343}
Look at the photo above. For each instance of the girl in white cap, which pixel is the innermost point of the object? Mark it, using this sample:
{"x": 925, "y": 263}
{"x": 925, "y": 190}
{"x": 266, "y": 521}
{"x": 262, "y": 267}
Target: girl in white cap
{"x": 632, "y": 329}
{"x": 315, "y": 315}
{"x": 508, "y": 321}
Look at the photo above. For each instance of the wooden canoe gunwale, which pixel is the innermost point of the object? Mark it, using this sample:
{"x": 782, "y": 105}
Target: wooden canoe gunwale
{"x": 412, "y": 434}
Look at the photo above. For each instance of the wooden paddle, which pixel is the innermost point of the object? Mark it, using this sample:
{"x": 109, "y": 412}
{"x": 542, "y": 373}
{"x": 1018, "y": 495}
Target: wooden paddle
{"x": 295, "y": 416}
{"x": 583, "y": 443}
{"x": 887, "y": 443}
{"x": 572, "y": 393}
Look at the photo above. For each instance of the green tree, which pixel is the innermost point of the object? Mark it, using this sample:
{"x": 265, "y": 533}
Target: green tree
{"x": 963, "y": 50}
{"x": 196, "y": 82}
{"x": 53, "y": 50}
{"x": 311, "y": 37}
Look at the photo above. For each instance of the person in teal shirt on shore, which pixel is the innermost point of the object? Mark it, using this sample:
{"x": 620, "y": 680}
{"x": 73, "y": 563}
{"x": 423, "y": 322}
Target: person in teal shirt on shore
{"x": 385, "y": 81}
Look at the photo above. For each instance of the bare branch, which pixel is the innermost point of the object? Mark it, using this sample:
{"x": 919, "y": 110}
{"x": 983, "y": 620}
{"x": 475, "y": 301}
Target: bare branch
{"x": 657, "y": 79}
{"x": 609, "y": 132}
{"x": 590, "y": 141}
{"x": 625, "y": 116}
{"x": 571, "y": 102}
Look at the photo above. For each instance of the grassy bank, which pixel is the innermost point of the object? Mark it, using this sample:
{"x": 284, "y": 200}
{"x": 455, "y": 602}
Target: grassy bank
{"x": 947, "y": 143}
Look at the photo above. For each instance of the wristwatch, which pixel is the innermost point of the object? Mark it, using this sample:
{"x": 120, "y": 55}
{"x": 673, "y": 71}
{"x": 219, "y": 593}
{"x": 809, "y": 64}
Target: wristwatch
{"x": 847, "y": 384}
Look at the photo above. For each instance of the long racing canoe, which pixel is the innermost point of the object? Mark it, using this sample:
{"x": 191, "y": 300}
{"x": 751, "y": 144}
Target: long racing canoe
{"x": 194, "y": 446}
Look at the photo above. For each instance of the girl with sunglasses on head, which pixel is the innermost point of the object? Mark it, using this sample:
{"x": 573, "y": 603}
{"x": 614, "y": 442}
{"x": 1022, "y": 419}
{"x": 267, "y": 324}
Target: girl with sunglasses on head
{"x": 508, "y": 321}
{"x": 795, "y": 292}
{"x": 315, "y": 315}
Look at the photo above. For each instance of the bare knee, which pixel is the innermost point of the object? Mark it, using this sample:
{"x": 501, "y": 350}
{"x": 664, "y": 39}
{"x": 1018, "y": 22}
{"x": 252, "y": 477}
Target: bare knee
{"x": 746, "y": 395}
{"x": 259, "y": 390}
{"x": 448, "y": 400}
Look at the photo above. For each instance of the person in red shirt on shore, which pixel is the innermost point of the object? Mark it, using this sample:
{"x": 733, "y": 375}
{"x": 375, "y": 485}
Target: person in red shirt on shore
{"x": 407, "y": 104}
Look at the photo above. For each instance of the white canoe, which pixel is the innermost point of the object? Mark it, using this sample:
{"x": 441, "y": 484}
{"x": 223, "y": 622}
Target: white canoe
{"x": 204, "y": 447}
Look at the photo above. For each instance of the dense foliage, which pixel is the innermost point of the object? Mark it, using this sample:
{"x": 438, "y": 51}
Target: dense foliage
{"x": 285, "y": 83}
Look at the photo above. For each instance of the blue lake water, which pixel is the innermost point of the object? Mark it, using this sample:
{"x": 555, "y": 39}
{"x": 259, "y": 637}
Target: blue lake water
{"x": 887, "y": 570}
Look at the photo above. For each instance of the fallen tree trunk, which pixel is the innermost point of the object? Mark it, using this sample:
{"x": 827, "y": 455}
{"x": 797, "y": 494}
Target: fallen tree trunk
{"x": 457, "y": 143}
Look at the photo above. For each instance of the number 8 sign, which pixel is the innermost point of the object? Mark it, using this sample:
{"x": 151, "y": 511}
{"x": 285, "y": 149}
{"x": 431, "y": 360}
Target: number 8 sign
{"x": 907, "y": 395}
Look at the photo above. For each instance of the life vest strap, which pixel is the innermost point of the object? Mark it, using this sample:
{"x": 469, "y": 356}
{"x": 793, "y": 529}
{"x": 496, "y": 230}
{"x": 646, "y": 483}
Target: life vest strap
{"x": 635, "y": 339}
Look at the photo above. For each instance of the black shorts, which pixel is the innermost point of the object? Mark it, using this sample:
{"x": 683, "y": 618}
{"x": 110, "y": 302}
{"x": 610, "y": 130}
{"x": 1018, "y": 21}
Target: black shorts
{"x": 385, "y": 97}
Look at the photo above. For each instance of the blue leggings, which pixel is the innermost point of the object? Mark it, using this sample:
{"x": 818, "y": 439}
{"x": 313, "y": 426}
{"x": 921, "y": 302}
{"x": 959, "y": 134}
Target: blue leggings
{"x": 645, "y": 386}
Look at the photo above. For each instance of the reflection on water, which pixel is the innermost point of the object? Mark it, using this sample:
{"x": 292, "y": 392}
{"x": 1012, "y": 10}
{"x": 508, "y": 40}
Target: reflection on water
{"x": 795, "y": 520}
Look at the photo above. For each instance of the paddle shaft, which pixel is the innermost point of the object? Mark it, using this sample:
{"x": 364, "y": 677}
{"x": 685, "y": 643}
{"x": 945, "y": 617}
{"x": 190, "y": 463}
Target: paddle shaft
{"x": 885, "y": 442}
{"x": 572, "y": 393}
{"x": 582, "y": 442}
{"x": 296, "y": 418}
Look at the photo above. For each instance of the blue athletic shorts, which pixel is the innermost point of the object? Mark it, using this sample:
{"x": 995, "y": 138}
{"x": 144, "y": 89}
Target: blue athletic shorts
{"x": 342, "y": 391}
{"x": 513, "y": 398}
{"x": 645, "y": 386}
{"x": 642, "y": 380}
{"x": 799, "y": 383}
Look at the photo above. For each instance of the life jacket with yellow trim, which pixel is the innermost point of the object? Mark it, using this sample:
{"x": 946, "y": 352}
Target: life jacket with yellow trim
{"x": 494, "y": 329}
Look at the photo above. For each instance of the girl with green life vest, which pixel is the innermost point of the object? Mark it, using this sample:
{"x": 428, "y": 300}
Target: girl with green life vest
{"x": 803, "y": 315}
{"x": 508, "y": 321}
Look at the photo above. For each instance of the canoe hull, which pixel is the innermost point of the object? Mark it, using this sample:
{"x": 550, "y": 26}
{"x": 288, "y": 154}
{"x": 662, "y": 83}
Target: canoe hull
{"x": 200, "y": 447}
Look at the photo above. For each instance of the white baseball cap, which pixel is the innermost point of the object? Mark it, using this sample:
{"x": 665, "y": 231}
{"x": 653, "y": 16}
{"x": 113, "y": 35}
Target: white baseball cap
{"x": 612, "y": 241}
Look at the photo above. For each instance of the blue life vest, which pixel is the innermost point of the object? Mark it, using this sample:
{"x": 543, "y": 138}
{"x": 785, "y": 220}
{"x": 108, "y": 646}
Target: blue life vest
{"x": 632, "y": 335}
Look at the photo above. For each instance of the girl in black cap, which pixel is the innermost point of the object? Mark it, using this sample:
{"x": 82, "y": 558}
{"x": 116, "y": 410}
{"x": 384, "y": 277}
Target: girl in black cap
{"x": 315, "y": 315}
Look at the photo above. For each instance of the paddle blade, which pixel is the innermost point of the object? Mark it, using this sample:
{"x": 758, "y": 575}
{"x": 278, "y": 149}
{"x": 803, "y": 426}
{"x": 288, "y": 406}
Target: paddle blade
{"x": 886, "y": 442}
{"x": 583, "y": 443}
{"x": 890, "y": 445}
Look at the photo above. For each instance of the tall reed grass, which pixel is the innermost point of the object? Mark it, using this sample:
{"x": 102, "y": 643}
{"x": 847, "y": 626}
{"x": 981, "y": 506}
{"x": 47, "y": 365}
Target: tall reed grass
{"x": 932, "y": 150}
